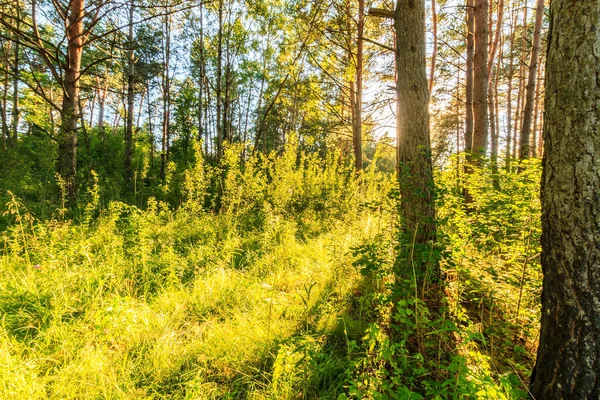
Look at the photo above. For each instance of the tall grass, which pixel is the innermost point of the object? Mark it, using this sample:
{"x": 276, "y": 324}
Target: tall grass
{"x": 246, "y": 291}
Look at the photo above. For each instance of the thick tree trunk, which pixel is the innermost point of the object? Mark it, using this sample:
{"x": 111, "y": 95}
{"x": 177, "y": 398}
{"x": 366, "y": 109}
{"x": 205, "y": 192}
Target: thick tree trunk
{"x": 414, "y": 149}
{"x": 469, "y": 76}
{"x": 480, "y": 81}
{"x": 568, "y": 360}
{"x": 531, "y": 82}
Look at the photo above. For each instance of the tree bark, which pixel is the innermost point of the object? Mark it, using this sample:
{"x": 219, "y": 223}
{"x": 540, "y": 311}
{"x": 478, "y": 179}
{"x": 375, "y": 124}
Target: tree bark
{"x": 531, "y": 82}
{"x": 414, "y": 149}
{"x": 357, "y": 136}
{"x": 435, "y": 45}
{"x": 518, "y": 123}
{"x": 67, "y": 139}
{"x": 497, "y": 33}
{"x": 201, "y": 79}
{"x": 511, "y": 73}
{"x": 130, "y": 102}
{"x": 568, "y": 359}
{"x": 219, "y": 73}
{"x": 3, "y": 114}
{"x": 15, "y": 99}
{"x": 166, "y": 86}
{"x": 469, "y": 76}
{"x": 480, "y": 81}
{"x": 536, "y": 113}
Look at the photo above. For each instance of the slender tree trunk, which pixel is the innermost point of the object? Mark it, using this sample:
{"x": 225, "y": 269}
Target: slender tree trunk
{"x": 569, "y": 348}
{"x": 219, "y": 78}
{"x": 521, "y": 94}
{"x": 15, "y": 99}
{"x": 531, "y": 81}
{"x": 536, "y": 107}
{"x": 201, "y": 80}
{"x": 130, "y": 101}
{"x": 102, "y": 92}
{"x": 435, "y": 45}
{"x": 93, "y": 108}
{"x": 511, "y": 73}
{"x": 357, "y": 137}
{"x": 539, "y": 112}
{"x": 3, "y": 114}
{"x": 414, "y": 149}
{"x": 469, "y": 76}
{"x": 139, "y": 113}
{"x": 150, "y": 124}
{"x": 497, "y": 33}
{"x": 480, "y": 81}
{"x": 166, "y": 84}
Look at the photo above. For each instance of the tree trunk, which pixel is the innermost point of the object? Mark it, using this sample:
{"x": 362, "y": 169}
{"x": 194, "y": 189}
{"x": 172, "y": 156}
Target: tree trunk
{"x": 166, "y": 85}
{"x": 469, "y": 76}
{"x": 219, "y": 73}
{"x": 412, "y": 119}
{"x": 130, "y": 102}
{"x": 531, "y": 82}
{"x": 568, "y": 358}
{"x": 67, "y": 139}
{"x": 435, "y": 45}
{"x": 15, "y": 99}
{"x": 357, "y": 137}
{"x": 497, "y": 33}
{"x": 201, "y": 79}
{"x": 536, "y": 113}
{"x": 480, "y": 81}
{"x": 102, "y": 92}
{"x": 511, "y": 73}
{"x": 518, "y": 123}
{"x": 3, "y": 114}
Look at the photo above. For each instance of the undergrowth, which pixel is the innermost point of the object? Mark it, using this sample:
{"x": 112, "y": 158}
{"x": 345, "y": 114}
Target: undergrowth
{"x": 279, "y": 277}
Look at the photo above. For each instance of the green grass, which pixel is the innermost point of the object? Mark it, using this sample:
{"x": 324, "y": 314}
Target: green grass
{"x": 143, "y": 305}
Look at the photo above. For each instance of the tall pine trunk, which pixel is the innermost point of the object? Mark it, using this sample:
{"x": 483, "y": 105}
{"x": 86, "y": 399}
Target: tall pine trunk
{"x": 357, "y": 131}
{"x": 67, "y": 139}
{"x": 531, "y": 82}
{"x": 469, "y": 76}
{"x": 414, "y": 150}
{"x": 511, "y": 73}
{"x": 480, "y": 81}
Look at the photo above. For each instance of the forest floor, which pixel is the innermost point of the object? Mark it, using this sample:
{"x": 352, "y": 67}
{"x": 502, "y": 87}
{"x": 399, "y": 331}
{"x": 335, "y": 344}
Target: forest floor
{"x": 152, "y": 306}
{"x": 299, "y": 296}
